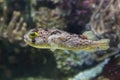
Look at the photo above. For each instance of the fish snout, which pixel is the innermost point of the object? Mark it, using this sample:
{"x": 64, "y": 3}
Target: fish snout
{"x": 26, "y": 38}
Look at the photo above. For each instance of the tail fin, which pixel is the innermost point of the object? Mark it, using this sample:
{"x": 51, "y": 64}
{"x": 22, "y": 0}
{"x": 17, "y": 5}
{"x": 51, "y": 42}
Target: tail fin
{"x": 103, "y": 44}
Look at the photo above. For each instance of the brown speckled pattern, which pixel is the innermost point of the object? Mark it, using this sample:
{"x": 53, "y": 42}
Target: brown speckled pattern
{"x": 62, "y": 39}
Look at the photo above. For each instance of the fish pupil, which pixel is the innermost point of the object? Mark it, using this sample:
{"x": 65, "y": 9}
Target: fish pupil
{"x": 33, "y": 35}
{"x": 33, "y": 40}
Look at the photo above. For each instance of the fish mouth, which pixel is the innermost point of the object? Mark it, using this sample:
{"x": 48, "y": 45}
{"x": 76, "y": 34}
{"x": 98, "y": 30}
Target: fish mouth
{"x": 29, "y": 41}
{"x": 26, "y": 39}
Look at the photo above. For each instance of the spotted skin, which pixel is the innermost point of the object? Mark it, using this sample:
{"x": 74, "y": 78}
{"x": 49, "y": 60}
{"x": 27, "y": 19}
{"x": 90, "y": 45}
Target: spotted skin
{"x": 58, "y": 39}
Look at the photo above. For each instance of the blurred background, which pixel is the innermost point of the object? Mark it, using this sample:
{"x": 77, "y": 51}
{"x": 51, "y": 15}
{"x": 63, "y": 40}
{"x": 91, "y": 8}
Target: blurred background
{"x": 18, "y": 61}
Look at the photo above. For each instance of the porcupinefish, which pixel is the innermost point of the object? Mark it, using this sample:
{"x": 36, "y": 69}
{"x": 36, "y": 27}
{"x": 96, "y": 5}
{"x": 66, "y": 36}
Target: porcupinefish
{"x": 58, "y": 39}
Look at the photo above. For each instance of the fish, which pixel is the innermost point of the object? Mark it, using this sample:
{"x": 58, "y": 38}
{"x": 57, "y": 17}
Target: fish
{"x": 58, "y": 39}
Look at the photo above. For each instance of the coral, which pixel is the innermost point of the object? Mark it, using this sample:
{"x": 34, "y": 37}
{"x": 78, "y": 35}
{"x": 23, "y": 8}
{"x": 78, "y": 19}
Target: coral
{"x": 48, "y": 18}
{"x": 105, "y": 20}
{"x": 15, "y": 29}
{"x": 77, "y": 14}
{"x": 112, "y": 70}
{"x": 23, "y": 62}
{"x": 73, "y": 62}
{"x": 91, "y": 73}
{"x": 16, "y": 58}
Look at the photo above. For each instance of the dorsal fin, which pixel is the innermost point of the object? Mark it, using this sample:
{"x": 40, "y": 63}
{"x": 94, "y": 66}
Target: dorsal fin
{"x": 89, "y": 35}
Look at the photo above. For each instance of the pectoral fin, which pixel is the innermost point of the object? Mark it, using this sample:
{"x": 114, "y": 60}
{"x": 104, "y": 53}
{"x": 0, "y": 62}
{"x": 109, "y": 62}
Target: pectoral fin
{"x": 52, "y": 49}
{"x": 89, "y": 35}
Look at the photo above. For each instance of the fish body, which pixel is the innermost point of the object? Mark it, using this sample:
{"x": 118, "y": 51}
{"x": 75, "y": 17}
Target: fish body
{"x": 58, "y": 39}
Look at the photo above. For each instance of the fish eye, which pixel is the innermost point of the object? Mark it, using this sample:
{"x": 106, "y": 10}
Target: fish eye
{"x": 33, "y": 40}
{"x": 33, "y": 35}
